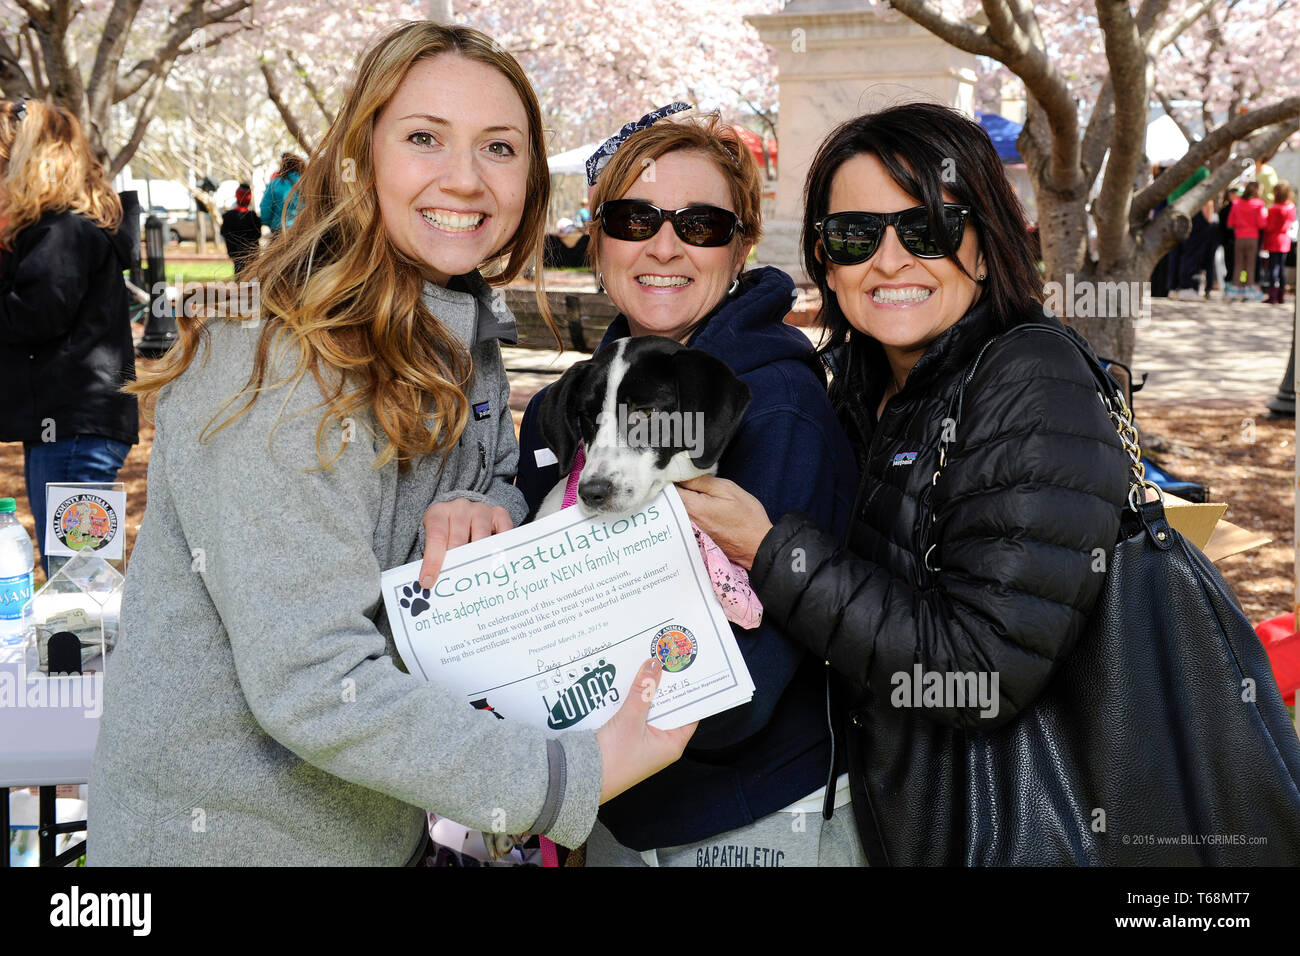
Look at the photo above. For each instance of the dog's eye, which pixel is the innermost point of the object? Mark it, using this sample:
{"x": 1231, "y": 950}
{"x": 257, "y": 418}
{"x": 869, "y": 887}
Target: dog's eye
{"x": 641, "y": 414}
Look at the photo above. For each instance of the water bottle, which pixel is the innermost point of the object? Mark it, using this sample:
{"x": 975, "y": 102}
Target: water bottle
{"x": 17, "y": 559}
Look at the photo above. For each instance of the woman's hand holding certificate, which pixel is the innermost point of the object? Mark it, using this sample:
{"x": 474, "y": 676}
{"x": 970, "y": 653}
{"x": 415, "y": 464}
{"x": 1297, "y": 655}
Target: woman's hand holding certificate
{"x": 551, "y": 622}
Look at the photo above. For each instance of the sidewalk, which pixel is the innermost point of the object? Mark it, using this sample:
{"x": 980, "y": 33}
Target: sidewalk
{"x": 1192, "y": 350}
{"x": 1207, "y": 350}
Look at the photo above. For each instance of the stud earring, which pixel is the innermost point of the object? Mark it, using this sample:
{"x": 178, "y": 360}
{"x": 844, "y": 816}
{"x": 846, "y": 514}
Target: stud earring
{"x": 980, "y": 277}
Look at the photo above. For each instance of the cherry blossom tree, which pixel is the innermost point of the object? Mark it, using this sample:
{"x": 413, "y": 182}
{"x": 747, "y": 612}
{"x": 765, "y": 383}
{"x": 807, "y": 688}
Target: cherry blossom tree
{"x": 130, "y": 48}
{"x": 1091, "y": 70}
{"x": 594, "y": 65}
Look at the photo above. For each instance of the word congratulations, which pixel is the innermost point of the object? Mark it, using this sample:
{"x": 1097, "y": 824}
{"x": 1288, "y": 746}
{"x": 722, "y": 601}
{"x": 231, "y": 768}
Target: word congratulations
{"x": 503, "y": 573}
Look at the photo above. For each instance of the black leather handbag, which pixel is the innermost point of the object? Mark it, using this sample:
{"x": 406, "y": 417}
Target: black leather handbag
{"x": 1162, "y": 734}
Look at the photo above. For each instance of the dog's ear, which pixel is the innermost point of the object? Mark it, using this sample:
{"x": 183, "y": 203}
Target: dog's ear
{"x": 708, "y": 384}
{"x": 559, "y": 413}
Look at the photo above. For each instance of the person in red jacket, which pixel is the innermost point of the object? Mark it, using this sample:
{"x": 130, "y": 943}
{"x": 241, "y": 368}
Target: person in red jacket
{"x": 1277, "y": 241}
{"x": 1246, "y": 220}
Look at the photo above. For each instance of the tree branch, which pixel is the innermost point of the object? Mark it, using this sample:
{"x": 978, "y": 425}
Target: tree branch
{"x": 40, "y": 79}
{"x": 1128, "y": 63}
{"x": 190, "y": 20}
{"x": 1168, "y": 105}
{"x": 1162, "y": 233}
{"x": 117, "y": 29}
{"x": 1227, "y": 134}
{"x": 1160, "y": 38}
{"x": 13, "y": 79}
{"x": 302, "y": 74}
{"x": 290, "y": 121}
{"x": 142, "y": 120}
{"x": 957, "y": 32}
{"x": 1096, "y": 138}
{"x": 1005, "y": 41}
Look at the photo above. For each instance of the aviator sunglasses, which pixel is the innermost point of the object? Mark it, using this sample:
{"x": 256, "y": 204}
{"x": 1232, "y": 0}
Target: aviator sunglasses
{"x": 849, "y": 238}
{"x": 634, "y": 220}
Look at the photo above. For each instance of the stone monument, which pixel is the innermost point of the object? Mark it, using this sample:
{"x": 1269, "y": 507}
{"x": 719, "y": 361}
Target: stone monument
{"x": 837, "y": 59}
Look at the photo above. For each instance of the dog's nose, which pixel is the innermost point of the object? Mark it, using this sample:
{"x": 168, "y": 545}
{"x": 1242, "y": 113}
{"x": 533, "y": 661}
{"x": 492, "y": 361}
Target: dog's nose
{"x": 595, "y": 491}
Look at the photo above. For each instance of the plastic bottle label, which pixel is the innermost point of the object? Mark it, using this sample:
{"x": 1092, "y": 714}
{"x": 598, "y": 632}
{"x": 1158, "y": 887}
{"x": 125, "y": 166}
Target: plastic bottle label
{"x": 15, "y": 592}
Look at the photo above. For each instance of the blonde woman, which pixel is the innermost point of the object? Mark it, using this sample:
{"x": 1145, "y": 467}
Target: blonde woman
{"x": 65, "y": 339}
{"x": 254, "y": 711}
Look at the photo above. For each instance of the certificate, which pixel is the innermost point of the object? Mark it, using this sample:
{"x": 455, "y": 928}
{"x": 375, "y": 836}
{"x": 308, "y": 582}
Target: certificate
{"x": 548, "y": 623}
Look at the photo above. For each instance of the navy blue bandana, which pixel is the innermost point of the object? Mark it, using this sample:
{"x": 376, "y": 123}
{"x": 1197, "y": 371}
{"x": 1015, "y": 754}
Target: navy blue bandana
{"x": 608, "y": 148}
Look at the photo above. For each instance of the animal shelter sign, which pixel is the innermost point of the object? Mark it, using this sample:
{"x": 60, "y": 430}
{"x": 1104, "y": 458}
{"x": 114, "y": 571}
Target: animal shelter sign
{"x": 548, "y": 623}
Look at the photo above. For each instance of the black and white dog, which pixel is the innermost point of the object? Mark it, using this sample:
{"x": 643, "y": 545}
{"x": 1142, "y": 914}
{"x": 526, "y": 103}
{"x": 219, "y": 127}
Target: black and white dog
{"x": 645, "y": 412}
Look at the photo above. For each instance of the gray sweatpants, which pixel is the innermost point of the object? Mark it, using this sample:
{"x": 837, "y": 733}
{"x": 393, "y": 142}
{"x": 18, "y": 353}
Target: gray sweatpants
{"x": 778, "y": 839}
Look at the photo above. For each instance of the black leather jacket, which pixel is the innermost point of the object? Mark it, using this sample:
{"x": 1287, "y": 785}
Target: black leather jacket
{"x": 1022, "y": 521}
{"x": 65, "y": 338}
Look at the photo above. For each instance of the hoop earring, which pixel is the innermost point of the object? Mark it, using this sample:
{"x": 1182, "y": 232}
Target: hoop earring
{"x": 600, "y": 282}
{"x": 735, "y": 287}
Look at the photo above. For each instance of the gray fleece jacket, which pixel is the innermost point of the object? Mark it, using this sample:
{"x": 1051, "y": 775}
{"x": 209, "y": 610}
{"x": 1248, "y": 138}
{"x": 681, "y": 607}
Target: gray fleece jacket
{"x": 254, "y": 711}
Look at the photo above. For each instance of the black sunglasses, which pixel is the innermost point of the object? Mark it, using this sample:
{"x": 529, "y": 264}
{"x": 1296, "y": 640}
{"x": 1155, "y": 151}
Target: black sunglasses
{"x": 849, "y": 238}
{"x": 636, "y": 221}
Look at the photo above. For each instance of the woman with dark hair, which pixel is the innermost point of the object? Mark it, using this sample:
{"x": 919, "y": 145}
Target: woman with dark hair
{"x": 977, "y": 568}
{"x": 279, "y": 208}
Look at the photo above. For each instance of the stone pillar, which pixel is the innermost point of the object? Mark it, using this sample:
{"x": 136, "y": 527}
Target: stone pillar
{"x": 837, "y": 59}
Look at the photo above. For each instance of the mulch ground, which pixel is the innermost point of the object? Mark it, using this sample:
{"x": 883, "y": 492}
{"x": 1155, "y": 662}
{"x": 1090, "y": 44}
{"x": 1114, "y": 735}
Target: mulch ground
{"x": 1210, "y": 443}
{"x": 1205, "y": 442}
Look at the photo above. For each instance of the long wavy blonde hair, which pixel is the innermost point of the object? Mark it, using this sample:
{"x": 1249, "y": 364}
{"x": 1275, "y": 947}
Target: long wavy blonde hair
{"x": 335, "y": 288}
{"x": 48, "y": 166}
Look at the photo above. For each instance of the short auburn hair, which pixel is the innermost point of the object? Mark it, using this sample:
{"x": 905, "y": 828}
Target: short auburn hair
{"x": 705, "y": 134}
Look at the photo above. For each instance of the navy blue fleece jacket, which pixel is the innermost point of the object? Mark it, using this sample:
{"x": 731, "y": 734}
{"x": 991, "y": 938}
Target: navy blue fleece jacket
{"x": 792, "y": 455}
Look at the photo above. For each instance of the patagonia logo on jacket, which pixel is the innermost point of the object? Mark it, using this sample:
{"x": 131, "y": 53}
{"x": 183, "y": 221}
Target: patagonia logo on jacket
{"x": 904, "y": 458}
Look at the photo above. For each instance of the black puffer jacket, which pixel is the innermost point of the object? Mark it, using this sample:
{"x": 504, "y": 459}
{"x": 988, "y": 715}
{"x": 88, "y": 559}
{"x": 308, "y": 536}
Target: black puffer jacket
{"x": 65, "y": 338}
{"x": 1032, "y": 488}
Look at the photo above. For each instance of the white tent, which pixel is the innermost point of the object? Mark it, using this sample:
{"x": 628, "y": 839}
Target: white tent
{"x": 571, "y": 162}
{"x": 1165, "y": 141}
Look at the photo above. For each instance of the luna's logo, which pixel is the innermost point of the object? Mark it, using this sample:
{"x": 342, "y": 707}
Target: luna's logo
{"x": 593, "y": 689}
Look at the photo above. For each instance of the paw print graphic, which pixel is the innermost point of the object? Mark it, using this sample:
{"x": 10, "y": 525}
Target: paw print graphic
{"x": 415, "y": 598}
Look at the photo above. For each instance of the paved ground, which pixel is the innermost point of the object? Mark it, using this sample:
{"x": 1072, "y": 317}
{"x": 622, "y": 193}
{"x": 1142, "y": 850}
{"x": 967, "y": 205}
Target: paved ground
{"x": 1199, "y": 350}
{"x": 1208, "y": 350}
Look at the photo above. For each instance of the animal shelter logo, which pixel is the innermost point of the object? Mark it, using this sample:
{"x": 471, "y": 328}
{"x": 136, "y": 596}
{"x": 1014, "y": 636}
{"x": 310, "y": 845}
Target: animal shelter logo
{"x": 591, "y": 690}
{"x": 675, "y": 647}
{"x": 85, "y": 522}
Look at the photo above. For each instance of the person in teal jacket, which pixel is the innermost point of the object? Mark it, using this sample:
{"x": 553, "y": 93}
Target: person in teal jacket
{"x": 277, "y": 192}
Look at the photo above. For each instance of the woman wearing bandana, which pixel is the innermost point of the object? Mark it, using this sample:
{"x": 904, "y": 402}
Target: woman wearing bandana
{"x": 751, "y": 788}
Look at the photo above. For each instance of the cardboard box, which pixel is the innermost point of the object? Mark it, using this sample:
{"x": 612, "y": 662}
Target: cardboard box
{"x": 1203, "y": 525}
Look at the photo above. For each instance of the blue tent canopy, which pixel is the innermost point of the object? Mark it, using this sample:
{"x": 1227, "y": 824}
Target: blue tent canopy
{"x": 1003, "y": 132}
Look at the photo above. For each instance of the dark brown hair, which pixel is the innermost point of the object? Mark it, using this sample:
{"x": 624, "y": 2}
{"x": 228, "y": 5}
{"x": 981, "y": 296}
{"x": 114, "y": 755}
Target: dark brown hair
{"x": 927, "y": 148}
